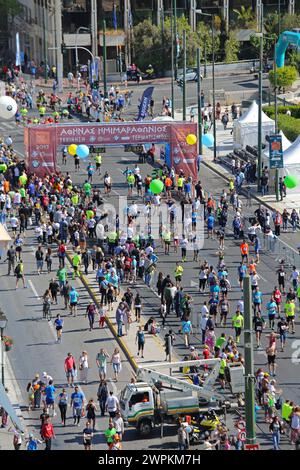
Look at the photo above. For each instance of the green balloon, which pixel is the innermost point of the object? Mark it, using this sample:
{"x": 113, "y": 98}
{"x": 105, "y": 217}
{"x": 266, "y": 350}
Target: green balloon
{"x": 291, "y": 181}
{"x": 3, "y": 167}
{"x": 156, "y": 186}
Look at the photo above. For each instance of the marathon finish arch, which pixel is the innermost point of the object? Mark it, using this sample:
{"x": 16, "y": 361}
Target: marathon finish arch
{"x": 43, "y": 141}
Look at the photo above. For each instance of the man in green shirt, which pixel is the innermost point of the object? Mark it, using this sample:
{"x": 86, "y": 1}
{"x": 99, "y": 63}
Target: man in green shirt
{"x": 289, "y": 310}
{"x": 220, "y": 341}
{"x": 98, "y": 161}
{"x": 166, "y": 235}
{"x": 130, "y": 182}
{"x": 298, "y": 293}
{"x": 238, "y": 324}
{"x": 87, "y": 187}
{"x": 110, "y": 432}
{"x": 76, "y": 262}
{"x": 62, "y": 277}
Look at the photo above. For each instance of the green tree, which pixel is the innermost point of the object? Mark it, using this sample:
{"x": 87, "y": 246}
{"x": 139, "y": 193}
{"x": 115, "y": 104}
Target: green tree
{"x": 245, "y": 17}
{"x": 285, "y": 76}
{"x": 10, "y": 7}
{"x": 205, "y": 38}
{"x": 268, "y": 45}
{"x": 289, "y": 22}
{"x": 232, "y": 47}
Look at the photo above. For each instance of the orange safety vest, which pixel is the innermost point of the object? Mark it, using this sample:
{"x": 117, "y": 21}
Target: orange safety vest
{"x": 168, "y": 182}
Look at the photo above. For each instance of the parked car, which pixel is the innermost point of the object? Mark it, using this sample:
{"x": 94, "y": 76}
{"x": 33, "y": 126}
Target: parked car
{"x": 191, "y": 75}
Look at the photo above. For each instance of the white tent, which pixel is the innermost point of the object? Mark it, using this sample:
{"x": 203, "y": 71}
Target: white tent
{"x": 245, "y": 130}
{"x": 291, "y": 161}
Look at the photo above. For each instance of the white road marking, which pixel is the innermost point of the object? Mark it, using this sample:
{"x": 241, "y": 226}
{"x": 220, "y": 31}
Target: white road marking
{"x": 33, "y": 289}
{"x": 51, "y": 326}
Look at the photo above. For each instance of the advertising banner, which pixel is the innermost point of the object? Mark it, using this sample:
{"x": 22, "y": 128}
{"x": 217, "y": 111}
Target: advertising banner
{"x": 41, "y": 154}
{"x": 183, "y": 155}
{"x": 145, "y": 102}
{"x": 113, "y": 134}
{"x": 44, "y": 141}
{"x": 276, "y": 153}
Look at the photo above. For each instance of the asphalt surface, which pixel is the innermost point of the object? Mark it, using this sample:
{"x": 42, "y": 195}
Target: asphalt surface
{"x": 35, "y": 341}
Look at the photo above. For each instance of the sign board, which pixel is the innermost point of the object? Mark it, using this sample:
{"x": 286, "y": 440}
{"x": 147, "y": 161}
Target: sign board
{"x": 97, "y": 149}
{"x": 133, "y": 148}
{"x": 275, "y": 149}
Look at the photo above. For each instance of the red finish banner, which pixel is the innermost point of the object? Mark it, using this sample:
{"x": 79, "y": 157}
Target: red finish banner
{"x": 42, "y": 142}
{"x": 41, "y": 152}
{"x": 113, "y": 134}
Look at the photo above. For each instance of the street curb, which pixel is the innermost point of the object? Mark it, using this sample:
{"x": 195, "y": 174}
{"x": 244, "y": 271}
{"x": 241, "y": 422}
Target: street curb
{"x": 121, "y": 343}
{"x": 219, "y": 173}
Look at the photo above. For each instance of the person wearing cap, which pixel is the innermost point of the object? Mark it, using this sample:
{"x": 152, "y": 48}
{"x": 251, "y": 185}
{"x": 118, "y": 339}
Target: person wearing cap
{"x": 37, "y": 385}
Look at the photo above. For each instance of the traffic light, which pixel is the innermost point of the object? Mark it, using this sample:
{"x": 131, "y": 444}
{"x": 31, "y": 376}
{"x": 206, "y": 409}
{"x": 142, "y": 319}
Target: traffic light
{"x": 180, "y": 83}
{"x": 63, "y": 48}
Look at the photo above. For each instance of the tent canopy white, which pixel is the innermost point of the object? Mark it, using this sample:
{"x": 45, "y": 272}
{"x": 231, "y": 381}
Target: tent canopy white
{"x": 245, "y": 130}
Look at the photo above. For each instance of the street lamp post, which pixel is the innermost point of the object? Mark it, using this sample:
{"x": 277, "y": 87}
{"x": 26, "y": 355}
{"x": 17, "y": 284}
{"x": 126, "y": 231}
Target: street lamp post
{"x": 174, "y": 11}
{"x": 259, "y": 141}
{"x": 199, "y": 101}
{"x": 249, "y": 365}
{"x": 104, "y": 60}
{"x": 200, "y": 12}
{"x": 3, "y": 323}
{"x": 81, "y": 28}
{"x": 172, "y": 64}
{"x": 184, "y": 76}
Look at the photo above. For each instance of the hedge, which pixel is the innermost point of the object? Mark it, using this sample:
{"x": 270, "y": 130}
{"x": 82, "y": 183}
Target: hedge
{"x": 290, "y": 125}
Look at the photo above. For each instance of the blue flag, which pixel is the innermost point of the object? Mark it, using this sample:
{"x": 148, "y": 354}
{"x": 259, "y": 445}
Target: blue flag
{"x": 145, "y": 101}
{"x": 177, "y": 46}
{"x": 114, "y": 12}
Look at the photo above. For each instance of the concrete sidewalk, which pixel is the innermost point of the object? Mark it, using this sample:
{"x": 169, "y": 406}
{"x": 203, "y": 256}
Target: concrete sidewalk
{"x": 15, "y": 397}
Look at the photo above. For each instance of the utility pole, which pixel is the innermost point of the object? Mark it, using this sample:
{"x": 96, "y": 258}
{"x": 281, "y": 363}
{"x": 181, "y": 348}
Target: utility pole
{"x": 104, "y": 60}
{"x": 184, "y": 75}
{"x": 214, "y": 87}
{"x": 199, "y": 101}
{"x": 59, "y": 41}
{"x": 226, "y": 14}
{"x": 259, "y": 141}
{"x": 249, "y": 364}
{"x": 94, "y": 27}
{"x": 172, "y": 64}
{"x": 175, "y": 35}
{"x": 45, "y": 44}
{"x": 193, "y": 14}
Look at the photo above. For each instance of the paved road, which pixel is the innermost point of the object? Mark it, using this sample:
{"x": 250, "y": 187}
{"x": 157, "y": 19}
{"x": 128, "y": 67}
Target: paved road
{"x": 35, "y": 340}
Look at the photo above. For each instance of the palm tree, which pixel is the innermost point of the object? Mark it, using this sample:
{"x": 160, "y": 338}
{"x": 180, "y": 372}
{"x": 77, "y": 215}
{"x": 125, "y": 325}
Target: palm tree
{"x": 245, "y": 17}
